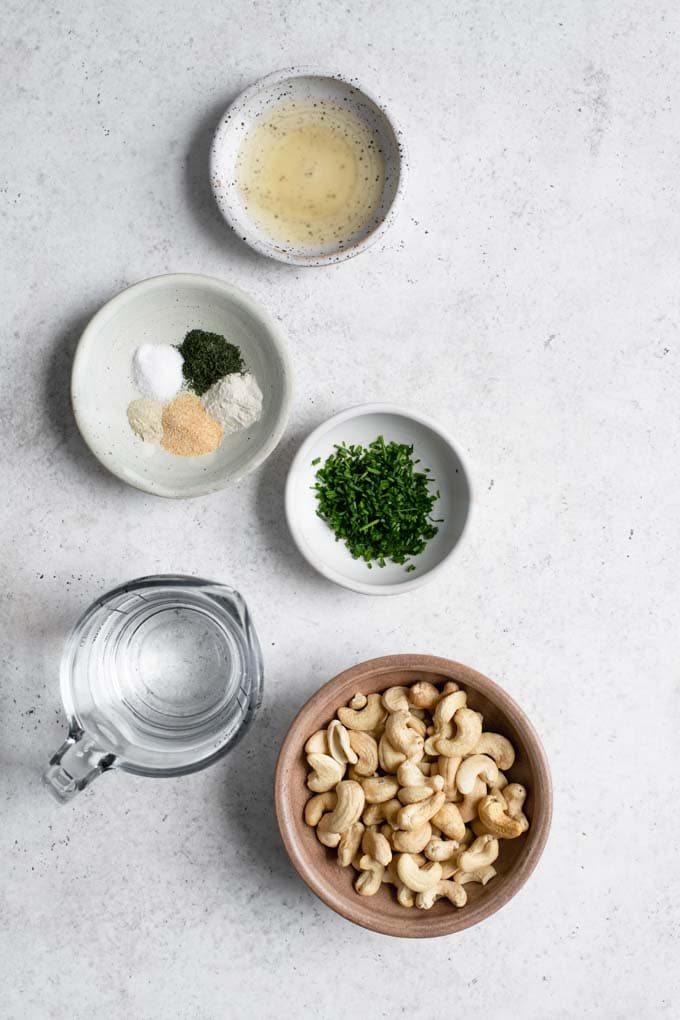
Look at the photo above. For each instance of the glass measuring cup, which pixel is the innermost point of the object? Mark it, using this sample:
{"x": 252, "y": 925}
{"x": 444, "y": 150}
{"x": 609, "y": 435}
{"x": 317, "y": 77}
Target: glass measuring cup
{"x": 159, "y": 677}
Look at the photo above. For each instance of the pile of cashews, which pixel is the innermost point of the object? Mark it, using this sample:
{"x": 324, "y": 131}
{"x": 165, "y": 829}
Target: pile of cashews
{"x": 426, "y": 799}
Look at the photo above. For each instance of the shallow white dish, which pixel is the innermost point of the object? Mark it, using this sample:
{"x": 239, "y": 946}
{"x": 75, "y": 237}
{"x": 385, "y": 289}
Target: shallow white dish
{"x": 258, "y": 101}
{"x": 162, "y": 310}
{"x": 363, "y": 424}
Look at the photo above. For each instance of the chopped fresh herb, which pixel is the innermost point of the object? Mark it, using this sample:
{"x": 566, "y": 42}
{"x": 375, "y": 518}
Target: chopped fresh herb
{"x": 317, "y": 460}
{"x": 375, "y": 502}
{"x": 207, "y": 358}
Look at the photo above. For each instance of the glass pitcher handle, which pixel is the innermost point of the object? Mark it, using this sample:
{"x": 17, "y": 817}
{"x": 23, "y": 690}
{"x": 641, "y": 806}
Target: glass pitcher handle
{"x": 73, "y": 767}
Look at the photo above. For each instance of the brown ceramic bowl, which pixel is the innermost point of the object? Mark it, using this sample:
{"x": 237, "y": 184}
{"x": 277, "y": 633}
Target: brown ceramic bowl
{"x": 318, "y": 866}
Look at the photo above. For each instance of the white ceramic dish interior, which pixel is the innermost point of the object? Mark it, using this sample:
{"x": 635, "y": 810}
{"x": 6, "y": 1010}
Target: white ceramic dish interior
{"x": 258, "y": 101}
{"x": 162, "y": 310}
{"x": 363, "y": 424}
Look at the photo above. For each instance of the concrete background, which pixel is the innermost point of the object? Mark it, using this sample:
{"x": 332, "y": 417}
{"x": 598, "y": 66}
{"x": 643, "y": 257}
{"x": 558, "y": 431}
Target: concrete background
{"x": 528, "y": 298}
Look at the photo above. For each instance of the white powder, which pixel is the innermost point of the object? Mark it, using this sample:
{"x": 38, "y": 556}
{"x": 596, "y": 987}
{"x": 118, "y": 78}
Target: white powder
{"x": 145, "y": 417}
{"x": 235, "y": 401}
{"x": 157, "y": 371}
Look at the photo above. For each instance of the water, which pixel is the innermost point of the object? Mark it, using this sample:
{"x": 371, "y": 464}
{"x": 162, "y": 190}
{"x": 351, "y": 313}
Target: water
{"x": 164, "y": 673}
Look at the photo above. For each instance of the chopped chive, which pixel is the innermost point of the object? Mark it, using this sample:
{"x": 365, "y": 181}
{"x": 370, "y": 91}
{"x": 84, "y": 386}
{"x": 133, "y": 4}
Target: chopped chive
{"x": 375, "y": 502}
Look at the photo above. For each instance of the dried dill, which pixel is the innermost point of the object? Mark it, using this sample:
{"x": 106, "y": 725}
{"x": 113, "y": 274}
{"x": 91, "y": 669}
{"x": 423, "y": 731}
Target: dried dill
{"x": 207, "y": 358}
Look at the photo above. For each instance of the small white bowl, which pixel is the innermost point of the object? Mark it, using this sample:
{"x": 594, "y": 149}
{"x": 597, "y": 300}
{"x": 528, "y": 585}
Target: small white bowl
{"x": 363, "y": 424}
{"x": 162, "y": 310}
{"x": 257, "y": 101}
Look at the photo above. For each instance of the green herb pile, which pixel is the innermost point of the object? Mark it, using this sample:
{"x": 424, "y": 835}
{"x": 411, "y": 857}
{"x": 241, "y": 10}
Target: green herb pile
{"x": 376, "y": 502}
{"x": 208, "y": 357}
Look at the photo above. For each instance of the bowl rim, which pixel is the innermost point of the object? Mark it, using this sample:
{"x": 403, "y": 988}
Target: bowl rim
{"x": 366, "y": 587}
{"x": 225, "y": 289}
{"x": 243, "y": 228}
{"x": 537, "y": 837}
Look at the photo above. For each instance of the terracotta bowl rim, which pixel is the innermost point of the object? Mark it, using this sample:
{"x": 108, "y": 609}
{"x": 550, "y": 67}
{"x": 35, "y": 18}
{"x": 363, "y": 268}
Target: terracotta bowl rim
{"x": 363, "y": 913}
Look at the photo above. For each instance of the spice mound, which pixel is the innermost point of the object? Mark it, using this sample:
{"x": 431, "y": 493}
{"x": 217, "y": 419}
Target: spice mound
{"x": 375, "y": 500}
{"x": 235, "y": 402}
{"x": 157, "y": 371}
{"x": 208, "y": 357}
{"x": 188, "y": 429}
{"x": 145, "y": 417}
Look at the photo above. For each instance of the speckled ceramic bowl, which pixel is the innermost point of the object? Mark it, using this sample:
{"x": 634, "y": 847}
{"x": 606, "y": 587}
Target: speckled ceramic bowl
{"x": 162, "y": 310}
{"x": 257, "y": 102}
{"x": 319, "y": 867}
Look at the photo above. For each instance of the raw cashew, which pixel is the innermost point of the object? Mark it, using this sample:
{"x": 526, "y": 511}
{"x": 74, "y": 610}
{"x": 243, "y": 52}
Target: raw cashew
{"x": 452, "y": 891}
{"x": 327, "y": 772}
{"x": 497, "y": 821}
{"x": 414, "y": 794}
{"x": 350, "y": 841}
{"x": 501, "y": 782}
{"x": 515, "y": 794}
{"x": 395, "y": 699}
{"x": 442, "y": 849}
{"x": 415, "y": 785}
{"x": 481, "y": 875}
{"x": 469, "y": 730}
{"x": 317, "y": 743}
{"x": 377, "y": 846}
{"x": 497, "y": 747}
{"x": 418, "y": 878}
{"x": 366, "y": 751}
{"x": 478, "y": 828}
{"x": 366, "y": 718}
{"x": 405, "y": 896}
{"x": 358, "y": 701}
{"x": 449, "y": 820}
{"x": 338, "y": 744}
{"x": 390, "y": 759}
{"x": 379, "y": 789}
{"x": 414, "y": 816}
{"x": 423, "y": 694}
{"x": 392, "y": 809}
{"x": 483, "y": 852}
{"x": 409, "y": 774}
{"x": 403, "y": 735}
{"x": 349, "y": 807}
{"x": 447, "y": 769}
{"x": 413, "y": 841}
{"x": 431, "y": 744}
{"x": 477, "y": 765}
{"x": 370, "y": 876}
{"x": 385, "y": 812}
{"x": 447, "y": 706}
{"x": 330, "y": 839}
{"x": 449, "y": 687}
{"x": 469, "y": 805}
{"x": 318, "y": 805}
{"x": 449, "y": 869}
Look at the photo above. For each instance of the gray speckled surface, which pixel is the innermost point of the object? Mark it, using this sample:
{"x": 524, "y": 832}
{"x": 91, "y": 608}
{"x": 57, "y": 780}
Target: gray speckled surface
{"x": 527, "y": 297}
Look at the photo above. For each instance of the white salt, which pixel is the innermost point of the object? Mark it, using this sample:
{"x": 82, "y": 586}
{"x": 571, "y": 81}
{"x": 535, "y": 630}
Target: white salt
{"x": 157, "y": 371}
